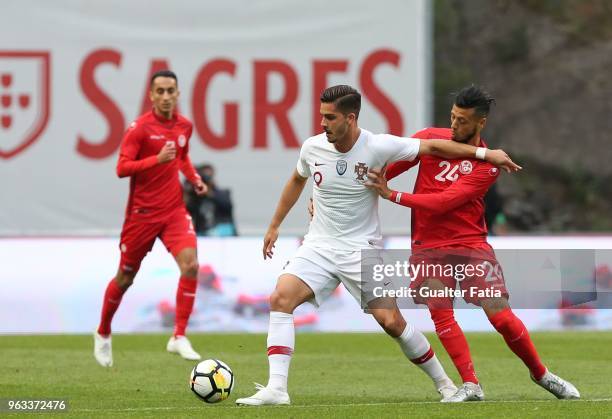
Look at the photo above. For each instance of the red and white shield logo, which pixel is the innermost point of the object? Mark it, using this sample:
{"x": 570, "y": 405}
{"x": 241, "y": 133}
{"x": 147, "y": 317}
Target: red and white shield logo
{"x": 24, "y": 99}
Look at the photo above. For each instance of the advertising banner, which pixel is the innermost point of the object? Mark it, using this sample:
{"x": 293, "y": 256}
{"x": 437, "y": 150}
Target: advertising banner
{"x": 57, "y": 286}
{"x": 73, "y": 75}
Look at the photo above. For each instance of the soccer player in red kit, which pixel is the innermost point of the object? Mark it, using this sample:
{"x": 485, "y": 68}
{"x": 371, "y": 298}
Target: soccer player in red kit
{"x": 155, "y": 147}
{"x": 448, "y": 227}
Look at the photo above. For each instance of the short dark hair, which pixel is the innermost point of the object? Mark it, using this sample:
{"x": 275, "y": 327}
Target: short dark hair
{"x": 346, "y": 98}
{"x": 474, "y": 97}
{"x": 163, "y": 73}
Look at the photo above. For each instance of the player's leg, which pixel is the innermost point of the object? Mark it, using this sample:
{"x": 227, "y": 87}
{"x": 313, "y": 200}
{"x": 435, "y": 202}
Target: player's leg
{"x": 512, "y": 329}
{"x": 179, "y": 238}
{"x": 452, "y": 338}
{"x": 289, "y": 293}
{"x": 518, "y": 340}
{"x": 115, "y": 289}
{"x": 497, "y": 308}
{"x": 441, "y": 310}
{"x": 306, "y": 277}
{"x": 103, "y": 351}
{"x": 187, "y": 262}
{"x": 185, "y": 298}
{"x": 412, "y": 342}
{"x": 449, "y": 333}
{"x": 136, "y": 240}
{"x": 514, "y": 333}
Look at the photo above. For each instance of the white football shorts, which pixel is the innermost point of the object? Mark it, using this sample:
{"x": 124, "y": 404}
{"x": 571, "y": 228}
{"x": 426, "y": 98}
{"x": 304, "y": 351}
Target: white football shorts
{"x": 324, "y": 269}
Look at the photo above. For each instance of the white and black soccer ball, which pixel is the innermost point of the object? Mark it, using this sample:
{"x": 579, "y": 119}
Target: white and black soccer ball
{"x": 212, "y": 380}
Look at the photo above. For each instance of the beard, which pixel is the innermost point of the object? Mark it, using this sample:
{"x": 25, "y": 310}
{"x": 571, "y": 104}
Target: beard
{"x": 340, "y": 132}
{"x": 464, "y": 138}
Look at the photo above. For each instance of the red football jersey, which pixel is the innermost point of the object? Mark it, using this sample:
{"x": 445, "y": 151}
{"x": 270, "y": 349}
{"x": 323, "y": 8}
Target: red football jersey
{"x": 155, "y": 189}
{"x": 455, "y": 214}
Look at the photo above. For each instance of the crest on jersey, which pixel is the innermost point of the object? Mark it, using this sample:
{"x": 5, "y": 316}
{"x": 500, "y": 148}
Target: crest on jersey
{"x": 361, "y": 170}
{"x": 182, "y": 140}
{"x": 341, "y": 166}
{"x": 493, "y": 171}
{"x": 465, "y": 167}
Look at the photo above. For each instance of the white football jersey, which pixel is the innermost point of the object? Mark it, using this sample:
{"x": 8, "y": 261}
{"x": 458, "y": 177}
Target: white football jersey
{"x": 345, "y": 210}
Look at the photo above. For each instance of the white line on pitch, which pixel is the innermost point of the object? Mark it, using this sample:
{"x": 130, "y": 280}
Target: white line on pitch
{"x": 162, "y": 408}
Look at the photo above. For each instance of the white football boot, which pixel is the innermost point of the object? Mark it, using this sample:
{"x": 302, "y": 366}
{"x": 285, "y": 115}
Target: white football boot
{"x": 468, "y": 392}
{"x": 181, "y": 345}
{"x": 265, "y": 396}
{"x": 103, "y": 350}
{"x": 558, "y": 386}
{"x": 447, "y": 391}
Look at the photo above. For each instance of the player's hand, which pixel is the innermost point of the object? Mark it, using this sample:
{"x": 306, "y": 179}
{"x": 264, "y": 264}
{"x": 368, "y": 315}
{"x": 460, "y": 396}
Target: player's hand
{"x": 311, "y": 208}
{"x": 501, "y": 159}
{"x": 167, "y": 153}
{"x": 200, "y": 188}
{"x": 269, "y": 240}
{"x": 377, "y": 181}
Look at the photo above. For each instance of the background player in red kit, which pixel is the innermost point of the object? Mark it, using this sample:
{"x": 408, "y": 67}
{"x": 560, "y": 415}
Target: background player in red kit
{"x": 154, "y": 149}
{"x": 448, "y": 227}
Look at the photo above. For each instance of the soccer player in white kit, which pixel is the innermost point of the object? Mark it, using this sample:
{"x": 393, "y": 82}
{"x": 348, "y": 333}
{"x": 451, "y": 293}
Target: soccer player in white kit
{"x": 345, "y": 221}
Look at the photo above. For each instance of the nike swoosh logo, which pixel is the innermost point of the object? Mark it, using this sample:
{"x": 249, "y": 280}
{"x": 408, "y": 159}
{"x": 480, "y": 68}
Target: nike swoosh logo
{"x": 319, "y": 164}
{"x": 386, "y": 283}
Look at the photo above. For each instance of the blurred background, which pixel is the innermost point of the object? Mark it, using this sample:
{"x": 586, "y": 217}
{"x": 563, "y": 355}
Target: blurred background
{"x": 547, "y": 63}
{"x": 74, "y": 74}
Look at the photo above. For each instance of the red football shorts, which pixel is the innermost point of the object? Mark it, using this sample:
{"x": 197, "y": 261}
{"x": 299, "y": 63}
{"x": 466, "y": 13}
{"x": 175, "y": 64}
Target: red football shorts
{"x": 475, "y": 269}
{"x": 137, "y": 237}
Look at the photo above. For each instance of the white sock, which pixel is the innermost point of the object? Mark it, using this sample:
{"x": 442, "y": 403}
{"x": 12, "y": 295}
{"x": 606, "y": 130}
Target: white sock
{"x": 281, "y": 341}
{"x": 415, "y": 346}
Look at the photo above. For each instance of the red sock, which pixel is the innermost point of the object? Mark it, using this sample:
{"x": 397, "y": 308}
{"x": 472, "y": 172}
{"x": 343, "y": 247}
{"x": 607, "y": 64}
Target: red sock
{"x": 517, "y": 338}
{"x": 185, "y": 297}
{"x": 112, "y": 299}
{"x": 453, "y": 340}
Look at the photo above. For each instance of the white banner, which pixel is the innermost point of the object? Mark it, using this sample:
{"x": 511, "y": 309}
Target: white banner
{"x": 57, "y": 286}
{"x": 73, "y": 74}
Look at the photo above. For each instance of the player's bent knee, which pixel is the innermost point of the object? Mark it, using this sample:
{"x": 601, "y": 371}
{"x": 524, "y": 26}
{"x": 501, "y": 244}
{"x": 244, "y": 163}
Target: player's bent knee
{"x": 391, "y": 322}
{"x": 279, "y": 301}
{"x": 190, "y": 268}
{"x": 124, "y": 279}
{"x": 492, "y": 306}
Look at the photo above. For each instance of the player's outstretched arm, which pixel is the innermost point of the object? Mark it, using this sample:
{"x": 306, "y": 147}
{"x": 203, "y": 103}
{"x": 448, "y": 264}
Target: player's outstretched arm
{"x": 292, "y": 191}
{"x": 461, "y": 191}
{"x": 454, "y": 150}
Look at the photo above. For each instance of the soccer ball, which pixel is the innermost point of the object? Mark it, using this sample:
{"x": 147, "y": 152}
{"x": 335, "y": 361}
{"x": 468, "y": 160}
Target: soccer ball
{"x": 211, "y": 380}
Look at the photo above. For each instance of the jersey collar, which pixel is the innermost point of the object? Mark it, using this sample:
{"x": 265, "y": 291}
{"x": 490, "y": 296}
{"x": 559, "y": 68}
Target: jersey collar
{"x": 164, "y": 120}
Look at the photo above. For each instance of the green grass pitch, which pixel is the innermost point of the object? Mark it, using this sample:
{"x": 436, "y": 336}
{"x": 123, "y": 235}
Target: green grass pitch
{"x": 339, "y": 375}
